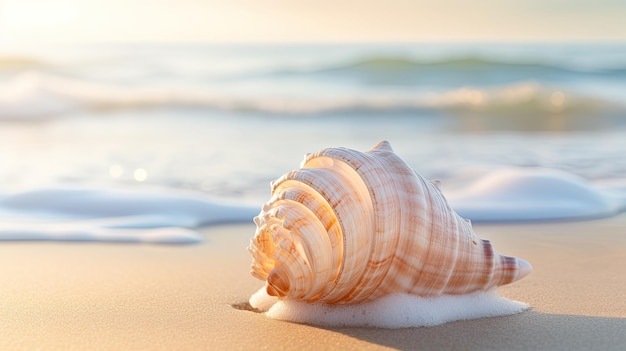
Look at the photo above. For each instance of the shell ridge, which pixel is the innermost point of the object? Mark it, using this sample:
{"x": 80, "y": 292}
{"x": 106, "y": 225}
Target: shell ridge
{"x": 368, "y": 167}
{"x": 311, "y": 199}
{"x": 387, "y": 229}
{"x": 272, "y": 218}
{"x": 328, "y": 183}
{"x": 453, "y": 247}
{"x": 490, "y": 254}
{"x": 306, "y": 236}
{"x": 289, "y": 268}
{"x": 361, "y": 239}
{"x": 425, "y": 270}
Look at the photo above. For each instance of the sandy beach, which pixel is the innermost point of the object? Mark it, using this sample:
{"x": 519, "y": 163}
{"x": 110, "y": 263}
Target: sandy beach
{"x": 95, "y": 296}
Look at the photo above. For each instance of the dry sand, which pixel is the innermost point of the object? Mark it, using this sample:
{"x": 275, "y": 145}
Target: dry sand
{"x": 94, "y": 296}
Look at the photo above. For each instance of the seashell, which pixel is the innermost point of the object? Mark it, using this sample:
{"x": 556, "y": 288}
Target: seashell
{"x": 350, "y": 227}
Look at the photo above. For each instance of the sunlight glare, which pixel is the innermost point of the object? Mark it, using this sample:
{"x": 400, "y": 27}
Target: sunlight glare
{"x": 140, "y": 174}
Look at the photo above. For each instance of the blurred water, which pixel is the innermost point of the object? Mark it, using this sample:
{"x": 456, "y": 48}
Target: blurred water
{"x": 226, "y": 119}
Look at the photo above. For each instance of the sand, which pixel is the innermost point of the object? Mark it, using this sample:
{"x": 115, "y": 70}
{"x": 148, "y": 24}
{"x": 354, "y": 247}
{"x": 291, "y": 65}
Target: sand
{"x": 95, "y": 296}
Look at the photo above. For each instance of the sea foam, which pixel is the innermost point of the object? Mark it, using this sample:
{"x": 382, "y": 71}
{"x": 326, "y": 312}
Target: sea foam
{"x": 391, "y": 311}
{"x": 87, "y": 214}
{"x": 532, "y": 194}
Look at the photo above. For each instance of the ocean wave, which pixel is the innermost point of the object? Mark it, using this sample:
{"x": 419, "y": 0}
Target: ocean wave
{"x": 402, "y": 65}
{"x": 38, "y": 95}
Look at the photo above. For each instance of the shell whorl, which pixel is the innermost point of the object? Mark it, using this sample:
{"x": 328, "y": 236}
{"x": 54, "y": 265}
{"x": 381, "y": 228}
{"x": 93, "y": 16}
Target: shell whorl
{"x": 352, "y": 226}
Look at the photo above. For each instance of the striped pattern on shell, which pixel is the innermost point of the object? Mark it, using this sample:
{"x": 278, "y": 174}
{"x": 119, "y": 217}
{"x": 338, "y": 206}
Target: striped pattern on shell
{"x": 352, "y": 226}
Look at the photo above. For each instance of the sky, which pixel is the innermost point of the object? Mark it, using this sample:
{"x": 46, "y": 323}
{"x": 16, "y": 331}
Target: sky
{"x": 46, "y": 21}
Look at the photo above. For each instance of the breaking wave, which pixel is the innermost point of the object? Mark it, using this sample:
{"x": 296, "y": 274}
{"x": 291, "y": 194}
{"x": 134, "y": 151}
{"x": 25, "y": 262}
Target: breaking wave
{"x": 34, "y": 95}
{"x": 406, "y": 65}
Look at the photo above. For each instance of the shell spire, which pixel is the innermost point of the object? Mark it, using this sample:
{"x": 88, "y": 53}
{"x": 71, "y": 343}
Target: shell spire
{"x": 352, "y": 226}
{"x": 383, "y": 145}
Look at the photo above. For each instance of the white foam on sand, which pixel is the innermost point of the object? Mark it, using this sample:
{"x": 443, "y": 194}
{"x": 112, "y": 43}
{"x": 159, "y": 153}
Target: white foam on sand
{"x": 531, "y": 194}
{"x": 392, "y": 311}
{"x": 84, "y": 214}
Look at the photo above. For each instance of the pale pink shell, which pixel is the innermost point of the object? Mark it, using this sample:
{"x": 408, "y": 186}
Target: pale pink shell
{"x": 352, "y": 226}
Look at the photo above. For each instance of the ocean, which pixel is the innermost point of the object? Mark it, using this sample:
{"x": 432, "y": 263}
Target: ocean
{"x": 218, "y": 122}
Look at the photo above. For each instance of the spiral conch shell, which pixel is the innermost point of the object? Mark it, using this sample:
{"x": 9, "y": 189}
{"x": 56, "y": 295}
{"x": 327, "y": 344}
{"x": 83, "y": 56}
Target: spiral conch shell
{"x": 350, "y": 227}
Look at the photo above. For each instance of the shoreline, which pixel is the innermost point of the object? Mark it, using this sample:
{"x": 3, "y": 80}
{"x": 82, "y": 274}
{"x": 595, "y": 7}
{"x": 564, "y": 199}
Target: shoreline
{"x": 102, "y": 296}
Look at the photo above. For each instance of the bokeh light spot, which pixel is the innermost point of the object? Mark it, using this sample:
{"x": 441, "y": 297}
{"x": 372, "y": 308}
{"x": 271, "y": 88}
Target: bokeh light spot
{"x": 140, "y": 174}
